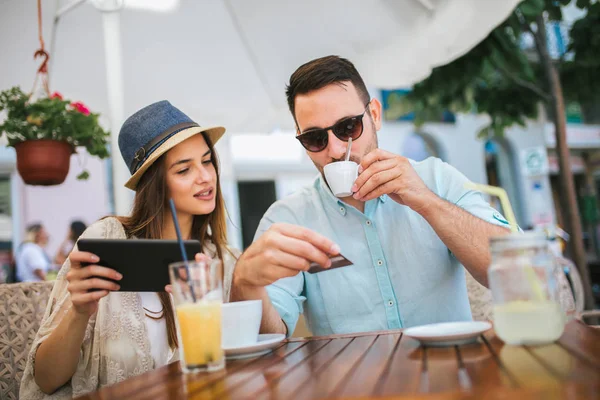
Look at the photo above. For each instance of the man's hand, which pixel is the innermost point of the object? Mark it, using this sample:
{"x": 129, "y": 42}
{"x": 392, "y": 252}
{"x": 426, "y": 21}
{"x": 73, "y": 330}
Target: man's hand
{"x": 282, "y": 251}
{"x": 382, "y": 172}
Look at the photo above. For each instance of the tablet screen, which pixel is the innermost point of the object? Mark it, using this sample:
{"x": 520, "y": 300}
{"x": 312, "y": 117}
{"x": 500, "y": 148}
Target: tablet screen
{"x": 144, "y": 263}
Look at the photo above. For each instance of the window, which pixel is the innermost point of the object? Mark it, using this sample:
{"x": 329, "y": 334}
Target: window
{"x": 5, "y": 231}
{"x": 5, "y": 196}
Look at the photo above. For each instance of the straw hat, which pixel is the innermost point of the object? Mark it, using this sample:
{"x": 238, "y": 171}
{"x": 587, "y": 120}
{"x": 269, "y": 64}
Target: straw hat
{"x": 154, "y": 130}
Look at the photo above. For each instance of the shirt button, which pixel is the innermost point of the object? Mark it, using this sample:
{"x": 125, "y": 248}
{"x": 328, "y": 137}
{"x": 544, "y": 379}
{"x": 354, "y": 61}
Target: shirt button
{"x": 380, "y": 262}
{"x": 390, "y": 303}
{"x": 342, "y": 209}
{"x": 368, "y": 222}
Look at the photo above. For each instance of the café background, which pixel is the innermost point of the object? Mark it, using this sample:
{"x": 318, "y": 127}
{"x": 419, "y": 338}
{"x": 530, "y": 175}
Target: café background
{"x": 260, "y": 167}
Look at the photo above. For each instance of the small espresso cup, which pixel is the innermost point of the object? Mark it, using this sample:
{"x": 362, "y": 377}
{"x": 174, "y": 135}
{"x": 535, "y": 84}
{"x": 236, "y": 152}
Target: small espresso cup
{"x": 341, "y": 176}
{"x": 240, "y": 323}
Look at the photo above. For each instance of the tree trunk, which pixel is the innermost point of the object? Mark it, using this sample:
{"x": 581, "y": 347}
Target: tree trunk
{"x": 562, "y": 150}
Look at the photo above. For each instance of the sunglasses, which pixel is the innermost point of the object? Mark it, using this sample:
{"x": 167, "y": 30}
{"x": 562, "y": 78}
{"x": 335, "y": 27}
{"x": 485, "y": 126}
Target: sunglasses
{"x": 316, "y": 140}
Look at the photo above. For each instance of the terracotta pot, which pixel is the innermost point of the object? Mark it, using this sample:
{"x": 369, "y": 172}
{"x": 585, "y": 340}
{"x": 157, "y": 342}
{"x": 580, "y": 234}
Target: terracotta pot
{"x": 43, "y": 162}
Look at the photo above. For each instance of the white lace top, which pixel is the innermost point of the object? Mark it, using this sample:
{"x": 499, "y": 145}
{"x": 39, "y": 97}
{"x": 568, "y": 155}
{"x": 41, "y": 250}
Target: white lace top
{"x": 117, "y": 343}
{"x": 162, "y": 354}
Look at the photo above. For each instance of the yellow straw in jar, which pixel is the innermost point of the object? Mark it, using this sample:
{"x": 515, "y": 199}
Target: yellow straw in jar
{"x": 499, "y": 192}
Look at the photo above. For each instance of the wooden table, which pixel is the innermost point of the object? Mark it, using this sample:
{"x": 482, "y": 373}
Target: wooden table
{"x": 387, "y": 365}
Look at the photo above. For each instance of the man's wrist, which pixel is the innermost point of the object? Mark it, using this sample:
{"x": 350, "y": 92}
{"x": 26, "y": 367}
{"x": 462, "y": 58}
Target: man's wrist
{"x": 432, "y": 204}
{"x": 241, "y": 290}
{"x": 240, "y": 281}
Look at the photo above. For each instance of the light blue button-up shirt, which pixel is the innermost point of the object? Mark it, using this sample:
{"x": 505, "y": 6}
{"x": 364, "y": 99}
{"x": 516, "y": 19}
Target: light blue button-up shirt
{"x": 403, "y": 274}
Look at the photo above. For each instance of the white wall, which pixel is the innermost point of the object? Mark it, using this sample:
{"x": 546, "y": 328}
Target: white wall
{"x": 457, "y": 142}
{"x": 56, "y": 206}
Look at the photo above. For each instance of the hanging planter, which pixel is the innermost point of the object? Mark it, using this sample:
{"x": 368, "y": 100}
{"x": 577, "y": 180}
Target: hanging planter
{"x": 46, "y": 129}
{"x": 46, "y": 132}
{"x": 43, "y": 162}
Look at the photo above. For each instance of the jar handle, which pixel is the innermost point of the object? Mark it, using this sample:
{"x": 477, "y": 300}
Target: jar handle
{"x": 567, "y": 267}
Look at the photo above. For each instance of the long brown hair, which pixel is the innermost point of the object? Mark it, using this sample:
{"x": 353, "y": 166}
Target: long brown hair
{"x": 146, "y": 222}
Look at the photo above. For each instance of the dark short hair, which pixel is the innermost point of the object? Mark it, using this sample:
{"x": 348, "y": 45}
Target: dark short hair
{"x": 77, "y": 228}
{"x": 321, "y": 72}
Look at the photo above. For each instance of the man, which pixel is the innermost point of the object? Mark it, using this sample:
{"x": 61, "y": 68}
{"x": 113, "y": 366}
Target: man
{"x": 407, "y": 228}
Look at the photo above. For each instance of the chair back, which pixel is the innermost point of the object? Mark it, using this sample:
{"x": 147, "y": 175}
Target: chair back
{"x": 22, "y": 306}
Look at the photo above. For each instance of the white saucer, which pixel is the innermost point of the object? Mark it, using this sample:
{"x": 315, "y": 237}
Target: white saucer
{"x": 265, "y": 343}
{"x": 448, "y": 333}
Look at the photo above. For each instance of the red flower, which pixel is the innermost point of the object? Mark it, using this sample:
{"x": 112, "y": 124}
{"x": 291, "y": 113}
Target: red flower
{"x": 56, "y": 95}
{"x": 79, "y": 106}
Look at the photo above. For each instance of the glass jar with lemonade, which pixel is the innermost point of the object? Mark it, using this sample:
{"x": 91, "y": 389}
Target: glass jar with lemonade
{"x": 525, "y": 289}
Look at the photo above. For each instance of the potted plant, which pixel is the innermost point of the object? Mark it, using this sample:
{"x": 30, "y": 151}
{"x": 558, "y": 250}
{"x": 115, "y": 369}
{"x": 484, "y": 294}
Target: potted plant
{"x": 45, "y": 133}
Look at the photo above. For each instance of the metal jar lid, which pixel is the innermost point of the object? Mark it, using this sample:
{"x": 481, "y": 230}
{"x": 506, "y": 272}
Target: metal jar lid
{"x": 518, "y": 240}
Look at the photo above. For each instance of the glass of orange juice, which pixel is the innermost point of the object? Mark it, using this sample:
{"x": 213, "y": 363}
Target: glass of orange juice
{"x": 197, "y": 289}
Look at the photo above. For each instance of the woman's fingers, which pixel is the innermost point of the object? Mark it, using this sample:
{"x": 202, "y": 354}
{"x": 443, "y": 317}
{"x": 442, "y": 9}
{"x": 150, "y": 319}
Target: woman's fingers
{"x": 101, "y": 272}
{"x": 93, "y": 271}
{"x": 78, "y": 257}
{"x": 92, "y": 284}
{"x": 88, "y": 297}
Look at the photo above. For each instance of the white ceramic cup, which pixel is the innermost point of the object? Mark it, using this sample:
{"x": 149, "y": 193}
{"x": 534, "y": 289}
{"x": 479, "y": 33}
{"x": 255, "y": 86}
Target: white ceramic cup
{"x": 341, "y": 176}
{"x": 240, "y": 323}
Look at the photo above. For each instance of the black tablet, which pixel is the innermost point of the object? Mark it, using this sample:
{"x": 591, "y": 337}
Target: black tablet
{"x": 144, "y": 263}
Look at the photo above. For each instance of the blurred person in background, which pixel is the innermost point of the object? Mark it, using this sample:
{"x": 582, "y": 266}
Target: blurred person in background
{"x": 31, "y": 259}
{"x": 75, "y": 230}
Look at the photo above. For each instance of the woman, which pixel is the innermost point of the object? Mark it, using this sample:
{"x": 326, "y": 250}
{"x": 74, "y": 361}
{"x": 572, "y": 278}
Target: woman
{"x": 32, "y": 261}
{"x": 76, "y": 229}
{"x": 116, "y": 335}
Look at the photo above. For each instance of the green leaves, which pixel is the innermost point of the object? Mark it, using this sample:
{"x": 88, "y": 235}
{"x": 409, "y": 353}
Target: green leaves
{"x": 84, "y": 175}
{"x": 585, "y": 38}
{"x": 580, "y": 77}
{"x": 500, "y": 78}
{"x": 495, "y": 78}
{"x": 583, "y": 3}
{"x": 531, "y": 8}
